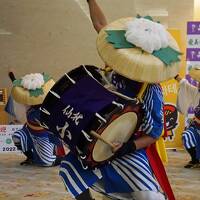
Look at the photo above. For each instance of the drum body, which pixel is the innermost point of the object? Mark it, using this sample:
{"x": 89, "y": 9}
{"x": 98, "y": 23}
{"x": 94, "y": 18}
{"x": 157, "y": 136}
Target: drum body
{"x": 77, "y": 104}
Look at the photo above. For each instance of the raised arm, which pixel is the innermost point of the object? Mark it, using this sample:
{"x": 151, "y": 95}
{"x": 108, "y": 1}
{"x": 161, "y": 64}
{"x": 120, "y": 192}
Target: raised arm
{"x": 97, "y": 16}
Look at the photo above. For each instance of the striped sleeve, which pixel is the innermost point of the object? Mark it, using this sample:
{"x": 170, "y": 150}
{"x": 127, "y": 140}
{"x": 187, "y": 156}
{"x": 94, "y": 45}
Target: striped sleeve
{"x": 153, "y": 106}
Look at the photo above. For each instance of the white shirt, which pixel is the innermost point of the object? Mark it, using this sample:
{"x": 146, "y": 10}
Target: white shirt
{"x": 188, "y": 96}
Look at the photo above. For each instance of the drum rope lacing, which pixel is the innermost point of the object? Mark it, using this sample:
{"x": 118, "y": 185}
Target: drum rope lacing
{"x": 110, "y": 88}
{"x": 54, "y": 93}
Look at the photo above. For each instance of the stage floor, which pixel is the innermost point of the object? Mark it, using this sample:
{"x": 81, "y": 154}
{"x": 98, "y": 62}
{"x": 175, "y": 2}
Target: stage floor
{"x": 40, "y": 183}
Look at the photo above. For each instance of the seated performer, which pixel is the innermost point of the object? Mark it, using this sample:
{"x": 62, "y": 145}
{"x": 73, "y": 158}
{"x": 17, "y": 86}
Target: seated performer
{"x": 129, "y": 175}
{"x": 189, "y": 96}
{"x": 38, "y": 145}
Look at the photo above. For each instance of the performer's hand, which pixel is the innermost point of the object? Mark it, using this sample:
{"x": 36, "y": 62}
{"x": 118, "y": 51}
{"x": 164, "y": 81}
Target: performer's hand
{"x": 124, "y": 148}
{"x": 117, "y": 146}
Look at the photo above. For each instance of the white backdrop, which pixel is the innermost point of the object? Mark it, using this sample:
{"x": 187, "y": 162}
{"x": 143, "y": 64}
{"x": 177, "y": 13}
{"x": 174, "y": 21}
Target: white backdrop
{"x": 6, "y": 143}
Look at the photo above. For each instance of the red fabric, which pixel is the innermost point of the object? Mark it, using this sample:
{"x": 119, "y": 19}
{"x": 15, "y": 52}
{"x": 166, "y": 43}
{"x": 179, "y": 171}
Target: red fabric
{"x": 159, "y": 171}
{"x": 60, "y": 151}
{"x": 164, "y": 125}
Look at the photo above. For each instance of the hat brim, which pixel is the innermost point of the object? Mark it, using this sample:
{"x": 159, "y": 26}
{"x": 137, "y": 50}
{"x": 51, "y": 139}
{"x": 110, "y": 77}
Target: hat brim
{"x": 195, "y": 73}
{"x": 22, "y": 95}
{"x": 134, "y": 63}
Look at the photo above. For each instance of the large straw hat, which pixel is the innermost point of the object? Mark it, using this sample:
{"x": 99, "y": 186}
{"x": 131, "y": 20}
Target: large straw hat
{"x": 195, "y": 73}
{"x": 32, "y": 88}
{"x": 135, "y": 63}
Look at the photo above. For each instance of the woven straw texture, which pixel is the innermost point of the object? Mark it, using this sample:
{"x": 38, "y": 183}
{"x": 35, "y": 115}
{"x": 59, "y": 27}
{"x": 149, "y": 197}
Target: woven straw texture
{"x": 195, "y": 74}
{"x": 22, "y": 95}
{"x": 134, "y": 63}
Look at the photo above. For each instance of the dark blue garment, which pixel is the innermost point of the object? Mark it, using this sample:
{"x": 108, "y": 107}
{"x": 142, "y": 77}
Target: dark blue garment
{"x": 197, "y": 111}
{"x": 33, "y": 114}
{"x": 9, "y": 108}
{"x": 42, "y": 143}
{"x": 191, "y": 138}
{"x": 126, "y": 86}
{"x": 76, "y": 108}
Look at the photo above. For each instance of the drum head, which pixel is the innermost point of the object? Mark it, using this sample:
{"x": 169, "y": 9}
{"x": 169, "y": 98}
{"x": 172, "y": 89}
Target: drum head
{"x": 120, "y": 130}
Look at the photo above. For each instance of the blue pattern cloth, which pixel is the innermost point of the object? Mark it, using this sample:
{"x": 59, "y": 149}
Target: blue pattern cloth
{"x": 197, "y": 111}
{"x": 42, "y": 143}
{"x": 191, "y": 136}
{"x": 9, "y": 108}
{"x": 130, "y": 172}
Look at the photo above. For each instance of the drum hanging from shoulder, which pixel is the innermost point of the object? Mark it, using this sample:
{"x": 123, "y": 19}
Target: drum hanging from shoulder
{"x": 78, "y": 105}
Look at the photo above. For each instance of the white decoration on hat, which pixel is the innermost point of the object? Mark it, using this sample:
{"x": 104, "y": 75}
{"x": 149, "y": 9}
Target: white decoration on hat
{"x": 32, "y": 81}
{"x": 146, "y": 34}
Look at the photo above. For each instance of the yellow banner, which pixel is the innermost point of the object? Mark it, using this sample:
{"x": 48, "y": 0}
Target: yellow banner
{"x": 175, "y": 122}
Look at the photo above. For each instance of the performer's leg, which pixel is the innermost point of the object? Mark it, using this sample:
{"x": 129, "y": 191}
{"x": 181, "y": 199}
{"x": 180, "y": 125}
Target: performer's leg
{"x": 29, "y": 157}
{"x": 27, "y": 153}
{"x": 17, "y": 143}
{"x": 57, "y": 160}
{"x": 85, "y": 196}
{"x": 189, "y": 142}
{"x": 194, "y": 160}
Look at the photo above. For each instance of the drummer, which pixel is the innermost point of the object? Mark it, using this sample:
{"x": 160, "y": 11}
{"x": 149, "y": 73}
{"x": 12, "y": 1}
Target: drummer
{"x": 38, "y": 145}
{"x": 130, "y": 175}
{"x": 190, "y": 136}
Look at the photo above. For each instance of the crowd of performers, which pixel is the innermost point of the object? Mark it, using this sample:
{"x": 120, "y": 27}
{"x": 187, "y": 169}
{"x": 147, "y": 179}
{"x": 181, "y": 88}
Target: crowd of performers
{"x": 135, "y": 172}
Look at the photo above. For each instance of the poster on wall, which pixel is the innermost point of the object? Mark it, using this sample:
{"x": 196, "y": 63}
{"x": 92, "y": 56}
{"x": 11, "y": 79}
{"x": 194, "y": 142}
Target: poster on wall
{"x": 174, "y": 121}
{"x": 6, "y": 143}
{"x": 192, "y": 53}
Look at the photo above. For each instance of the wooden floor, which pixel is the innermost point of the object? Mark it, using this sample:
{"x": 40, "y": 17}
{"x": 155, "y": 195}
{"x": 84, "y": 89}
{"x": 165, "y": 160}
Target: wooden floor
{"x": 40, "y": 183}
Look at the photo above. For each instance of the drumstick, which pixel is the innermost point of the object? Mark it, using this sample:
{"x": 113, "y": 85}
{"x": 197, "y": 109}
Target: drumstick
{"x": 11, "y": 75}
{"x": 96, "y": 135}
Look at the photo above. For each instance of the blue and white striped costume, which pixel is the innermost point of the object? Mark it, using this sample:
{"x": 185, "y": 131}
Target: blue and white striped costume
{"x": 188, "y": 136}
{"x": 191, "y": 136}
{"x": 41, "y": 143}
{"x": 129, "y": 173}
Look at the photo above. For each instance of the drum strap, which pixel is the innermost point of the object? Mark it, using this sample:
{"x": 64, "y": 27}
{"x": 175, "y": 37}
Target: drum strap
{"x": 159, "y": 171}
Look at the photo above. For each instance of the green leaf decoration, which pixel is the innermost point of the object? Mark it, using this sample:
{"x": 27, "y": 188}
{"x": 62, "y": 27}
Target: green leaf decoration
{"x": 46, "y": 77}
{"x": 167, "y": 55}
{"x": 36, "y": 93}
{"x": 147, "y": 17}
{"x": 17, "y": 82}
{"x": 117, "y": 38}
